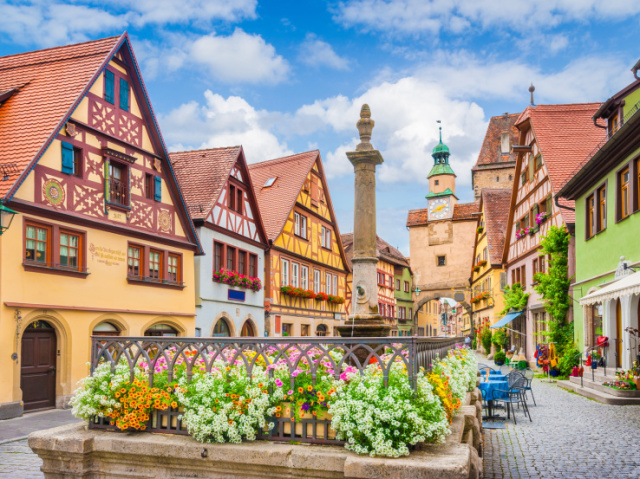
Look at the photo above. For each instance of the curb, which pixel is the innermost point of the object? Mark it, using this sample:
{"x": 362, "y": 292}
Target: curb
{"x": 6, "y": 441}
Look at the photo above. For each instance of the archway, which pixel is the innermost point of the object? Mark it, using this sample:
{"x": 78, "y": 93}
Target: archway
{"x": 321, "y": 330}
{"x": 162, "y": 329}
{"x": 221, "y": 329}
{"x": 38, "y": 366}
{"x": 425, "y": 297}
{"x": 105, "y": 328}
{"x": 248, "y": 329}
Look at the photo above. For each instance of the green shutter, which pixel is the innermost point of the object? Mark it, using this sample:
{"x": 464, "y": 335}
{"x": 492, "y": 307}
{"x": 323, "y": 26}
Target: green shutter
{"x": 67, "y": 158}
{"x": 531, "y": 168}
{"x": 158, "y": 189}
{"x": 109, "y": 86}
{"x": 106, "y": 181}
{"x": 124, "y": 94}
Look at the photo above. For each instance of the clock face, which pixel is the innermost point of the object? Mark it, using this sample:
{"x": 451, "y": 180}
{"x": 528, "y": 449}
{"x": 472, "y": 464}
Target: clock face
{"x": 439, "y": 209}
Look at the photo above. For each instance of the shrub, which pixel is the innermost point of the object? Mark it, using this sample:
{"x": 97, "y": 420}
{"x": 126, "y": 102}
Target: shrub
{"x": 500, "y": 357}
{"x": 486, "y": 340}
{"x": 499, "y": 338}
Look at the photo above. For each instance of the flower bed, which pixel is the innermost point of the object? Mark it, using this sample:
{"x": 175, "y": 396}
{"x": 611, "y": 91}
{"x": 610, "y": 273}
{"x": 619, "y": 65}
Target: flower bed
{"x": 231, "y": 395}
{"x": 235, "y": 279}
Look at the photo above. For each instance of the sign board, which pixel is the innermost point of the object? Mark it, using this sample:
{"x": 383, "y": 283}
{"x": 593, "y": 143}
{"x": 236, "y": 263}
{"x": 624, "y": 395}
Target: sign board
{"x": 459, "y": 297}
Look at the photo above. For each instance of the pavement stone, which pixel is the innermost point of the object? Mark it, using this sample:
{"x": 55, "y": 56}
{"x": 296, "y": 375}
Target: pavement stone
{"x": 19, "y": 427}
{"x": 570, "y": 437}
{"x": 17, "y": 461}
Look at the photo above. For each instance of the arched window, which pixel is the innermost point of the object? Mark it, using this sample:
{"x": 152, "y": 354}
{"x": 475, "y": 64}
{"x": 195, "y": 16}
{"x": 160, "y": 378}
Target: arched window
{"x": 321, "y": 330}
{"x": 247, "y": 329}
{"x": 161, "y": 330}
{"x": 222, "y": 329}
{"x": 105, "y": 329}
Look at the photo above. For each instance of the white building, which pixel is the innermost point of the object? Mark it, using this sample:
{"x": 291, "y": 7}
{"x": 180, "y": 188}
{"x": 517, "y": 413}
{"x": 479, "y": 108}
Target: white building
{"x": 217, "y": 188}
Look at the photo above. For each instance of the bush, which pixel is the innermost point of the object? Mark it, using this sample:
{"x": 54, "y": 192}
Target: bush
{"x": 486, "y": 340}
{"x": 569, "y": 359}
{"x": 500, "y": 357}
{"x": 499, "y": 338}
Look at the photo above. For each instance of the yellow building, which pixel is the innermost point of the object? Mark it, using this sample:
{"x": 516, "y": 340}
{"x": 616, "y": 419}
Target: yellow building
{"x": 488, "y": 279}
{"x": 305, "y": 264}
{"x": 428, "y": 319}
{"x": 101, "y": 242}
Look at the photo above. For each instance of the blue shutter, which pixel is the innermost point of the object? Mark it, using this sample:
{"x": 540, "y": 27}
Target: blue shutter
{"x": 158, "y": 189}
{"x": 124, "y": 94}
{"x": 108, "y": 86}
{"x": 67, "y": 158}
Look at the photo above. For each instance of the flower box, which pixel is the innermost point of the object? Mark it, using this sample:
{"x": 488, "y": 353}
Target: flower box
{"x": 322, "y": 297}
{"x": 541, "y": 218}
{"x": 297, "y": 292}
{"x": 232, "y": 278}
{"x": 336, "y": 299}
{"x": 521, "y": 233}
{"x": 479, "y": 230}
{"x": 307, "y": 423}
{"x": 479, "y": 266}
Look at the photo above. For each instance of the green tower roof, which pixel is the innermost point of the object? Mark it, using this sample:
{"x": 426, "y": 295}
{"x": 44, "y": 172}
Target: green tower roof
{"x": 446, "y": 192}
{"x": 441, "y": 169}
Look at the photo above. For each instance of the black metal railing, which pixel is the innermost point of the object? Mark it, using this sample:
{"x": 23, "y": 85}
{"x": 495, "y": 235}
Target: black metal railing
{"x": 203, "y": 354}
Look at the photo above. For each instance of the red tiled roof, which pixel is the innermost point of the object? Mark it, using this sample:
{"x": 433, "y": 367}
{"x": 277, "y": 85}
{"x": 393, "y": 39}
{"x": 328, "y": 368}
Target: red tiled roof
{"x": 496, "y": 203}
{"x": 202, "y": 174}
{"x": 276, "y": 201}
{"x": 461, "y": 212}
{"x": 49, "y": 82}
{"x": 566, "y": 137}
{"x": 491, "y": 151}
{"x": 385, "y": 251}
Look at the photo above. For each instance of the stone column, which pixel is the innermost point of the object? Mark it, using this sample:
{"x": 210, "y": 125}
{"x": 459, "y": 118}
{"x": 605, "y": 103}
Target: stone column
{"x": 365, "y": 320}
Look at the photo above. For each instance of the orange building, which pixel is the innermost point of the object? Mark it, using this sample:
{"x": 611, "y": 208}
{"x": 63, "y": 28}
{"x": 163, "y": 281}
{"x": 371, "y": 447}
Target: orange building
{"x": 102, "y": 242}
{"x": 305, "y": 265}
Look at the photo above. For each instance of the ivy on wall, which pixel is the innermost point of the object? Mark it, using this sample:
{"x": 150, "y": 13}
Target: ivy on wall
{"x": 514, "y": 298}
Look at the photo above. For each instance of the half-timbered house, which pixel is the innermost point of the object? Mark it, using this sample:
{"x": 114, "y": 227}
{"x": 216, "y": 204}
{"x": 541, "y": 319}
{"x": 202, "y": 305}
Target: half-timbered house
{"x": 229, "y": 292}
{"x": 102, "y": 242}
{"x": 305, "y": 265}
{"x": 554, "y": 141}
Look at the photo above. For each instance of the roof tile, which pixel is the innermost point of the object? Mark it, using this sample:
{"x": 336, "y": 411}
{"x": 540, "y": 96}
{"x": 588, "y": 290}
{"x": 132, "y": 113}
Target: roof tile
{"x": 385, "y": 251}
{"x": 495, "y": 205}
{"x": 461, "y": 211}
{"x": 491, "y": 151}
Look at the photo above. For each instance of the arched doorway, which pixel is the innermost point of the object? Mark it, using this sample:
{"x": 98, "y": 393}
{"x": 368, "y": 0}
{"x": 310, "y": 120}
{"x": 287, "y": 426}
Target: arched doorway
{"x": 221, "y": 329}
{"x": 38, "y": 366}
{"x": 105, "y": 329}
{"x": 161, "y": 330}
{"x": 321, "y": 330}
{"x": 247, "y": 329}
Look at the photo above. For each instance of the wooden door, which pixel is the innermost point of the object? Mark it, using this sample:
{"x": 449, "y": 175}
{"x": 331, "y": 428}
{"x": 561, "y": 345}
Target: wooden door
{"x": 38, "y": 367}
{"x": 618, "y": 334}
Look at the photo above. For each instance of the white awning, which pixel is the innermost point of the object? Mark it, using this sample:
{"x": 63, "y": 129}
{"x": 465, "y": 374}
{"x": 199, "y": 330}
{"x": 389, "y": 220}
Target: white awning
{"x": 627, "y": 286}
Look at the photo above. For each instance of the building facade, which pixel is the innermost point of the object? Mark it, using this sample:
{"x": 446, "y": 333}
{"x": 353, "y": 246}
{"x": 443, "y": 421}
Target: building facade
{"x": 606, "y": 192}
{"x": 441, "y": 236}
{"x": 554, "y": 141}
{"x": 496, "y": 164}
{"x": 229, "y": 278}
{"x": 102, "y": 243}
{"x": 395, "y": 304}
{"x": 427, "y": 319}
{"x": 488, "y": 278}
{"x": 305, "y": 265}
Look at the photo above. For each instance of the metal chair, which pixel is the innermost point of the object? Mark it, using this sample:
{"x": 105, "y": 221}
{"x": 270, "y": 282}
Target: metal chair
{"x": 515, "y": 395}
{"x": 482, "y": 366}
{"x": 512, "y": 377}
{"x": 528, "y": 375}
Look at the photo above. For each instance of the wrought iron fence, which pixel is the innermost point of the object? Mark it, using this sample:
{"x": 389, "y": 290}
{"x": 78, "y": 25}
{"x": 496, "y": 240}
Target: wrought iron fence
{"x": 196, "y": 355}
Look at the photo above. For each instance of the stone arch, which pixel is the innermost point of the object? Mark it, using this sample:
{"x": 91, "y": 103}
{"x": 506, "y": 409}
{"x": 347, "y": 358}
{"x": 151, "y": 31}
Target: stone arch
{"x": 426, "y": 296}
{"x": 164, "y": 320}
{"x": 249, "y": 320}
{"x": 63, "y": 344}
{"x": 230, "y": 323}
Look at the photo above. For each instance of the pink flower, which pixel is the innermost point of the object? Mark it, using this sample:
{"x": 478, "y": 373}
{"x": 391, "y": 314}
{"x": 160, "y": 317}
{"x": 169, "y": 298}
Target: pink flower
{"x": 290, "y": 392}
{"x": 278, "y": 383}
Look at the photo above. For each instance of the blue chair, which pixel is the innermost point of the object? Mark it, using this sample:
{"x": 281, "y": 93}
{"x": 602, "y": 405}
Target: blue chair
{"x": 515, "y": 395}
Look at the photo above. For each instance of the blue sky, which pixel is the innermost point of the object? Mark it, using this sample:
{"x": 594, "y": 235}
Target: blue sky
{"x": 282, "y": 77}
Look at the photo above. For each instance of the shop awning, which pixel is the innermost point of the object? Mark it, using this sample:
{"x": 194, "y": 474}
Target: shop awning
{"x": 627, "y": 286}
{"x": 507, "y": 319}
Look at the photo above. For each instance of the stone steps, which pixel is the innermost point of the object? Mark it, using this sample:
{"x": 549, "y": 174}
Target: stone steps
{"x": 598, "y": 374}
{"x": 592, "y": 391}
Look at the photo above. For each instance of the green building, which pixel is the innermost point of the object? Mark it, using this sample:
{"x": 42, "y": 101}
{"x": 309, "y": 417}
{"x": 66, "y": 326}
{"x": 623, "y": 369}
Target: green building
{"x": 606, "y": 191}
{"x": 404, "y": 285}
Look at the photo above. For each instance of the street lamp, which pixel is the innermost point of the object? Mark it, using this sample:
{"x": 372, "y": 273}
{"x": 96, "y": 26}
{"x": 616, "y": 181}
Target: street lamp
{"x": 6, "y": 217}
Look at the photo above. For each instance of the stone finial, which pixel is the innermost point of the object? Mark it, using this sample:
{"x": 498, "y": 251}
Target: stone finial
{"x": 531, "y": 90}
{"x": 365, "y": 126}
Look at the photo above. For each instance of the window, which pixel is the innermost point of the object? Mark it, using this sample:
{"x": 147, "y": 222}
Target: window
{"x": 538, "y": 162}
{"x": 296, "y": 229}
{"x": 524, "y": 177}
{"x": 109, "y": 86}
{"x": 391, "y": 282}
{"x": 485, "y": 254}
{"x": 235, "y": 199}
{"x": 624, "y": 193}
{"x": 77, "y": 162}
{"x": 410, "y": 313}
{"x": 222, "y": 329}
{"x": 285, "y": 272}
{"x": 527, "y": 220}
{"x": 637, "y": 200}
{"x": 218, "y": 249}
{"x": 304, "y": 330}
{"x": 326, "y": 238}
{"x": 38, "y": 244}
{"x": 441, "y": 260}
{"x": 253, "y": 265}
{"x": 381, "y": 309}
{"x": 173, "y": 268}
{"x": 437, "y": 182}
{"x": 398, "y": 284}
{"x": 406, "y": 286}
{"x": 161, "y": 330}
{"x": 321, "y": 330}
{"x": 148, "y": 186}
{"x": 287, "y": 329}
{"x": 118, "y": 183}
{"x": 300, "y": 225}
{"x": 335, "y": 284}
{"x": 591, "y": 216}
{"x": 70, "y": 248}
{"x": 155, "y": 264}
{"x": 295, "y": 268}
{"x": 270, "y": 182}
{"x": 323, "y": 236}
{"x": 510, "y": 177}
{"x": 329, "y": 283}
{"x": 134, "y": 255}
{"x": 105, "y": 329}
{"x": 316, "y": 280}
{"x": 304, "y": 277}
{"x": 242, "y": 262}
{"x": 231, "y": 258}
{"x": 239, "y": 200}
{"x": 504, "y": 144}
{"x": 124, "y": 94}
{"x": 614, "y": 124}
{"x": 497, "y": 179}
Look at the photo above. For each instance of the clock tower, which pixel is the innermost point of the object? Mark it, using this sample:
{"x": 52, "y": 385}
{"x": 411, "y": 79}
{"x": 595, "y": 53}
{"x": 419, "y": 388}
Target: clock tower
{"x": 441, "y": 198}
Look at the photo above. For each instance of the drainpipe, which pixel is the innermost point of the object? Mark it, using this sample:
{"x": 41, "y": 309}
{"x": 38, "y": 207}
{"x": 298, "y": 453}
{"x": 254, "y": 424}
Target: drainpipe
{"x": 556, "y": 198}
{"x": 595, "y": 122}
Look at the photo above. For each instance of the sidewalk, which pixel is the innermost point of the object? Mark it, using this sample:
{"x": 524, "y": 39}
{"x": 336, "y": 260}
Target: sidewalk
{"x": 20, "y": 427}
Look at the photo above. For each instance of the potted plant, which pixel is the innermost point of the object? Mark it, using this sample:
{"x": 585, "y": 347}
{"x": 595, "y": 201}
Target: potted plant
{"x": 500, "y": 358}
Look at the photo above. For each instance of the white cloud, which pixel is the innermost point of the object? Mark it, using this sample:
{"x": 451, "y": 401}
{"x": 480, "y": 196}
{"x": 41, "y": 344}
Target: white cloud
{"x": 222, "y": 122}
{"x": 239, "y": 57}
{"x": 316, "y": 53}
{"x": 171, "y": 11}
{"x": 432, "y": 16}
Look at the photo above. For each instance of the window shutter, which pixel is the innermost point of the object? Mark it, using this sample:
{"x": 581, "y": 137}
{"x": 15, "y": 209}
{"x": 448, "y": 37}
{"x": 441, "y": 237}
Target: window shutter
{"x": 531, "y": 168}
{"x": 536, "y": 210}
{"x": 67, "y": 158}
{"x": 124, "y": 94}
{"x": 108, "y": 86}
{"x": 158, "y": 189}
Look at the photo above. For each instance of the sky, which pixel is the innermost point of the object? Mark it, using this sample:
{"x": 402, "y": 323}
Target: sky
{"x": 283, "y": 77}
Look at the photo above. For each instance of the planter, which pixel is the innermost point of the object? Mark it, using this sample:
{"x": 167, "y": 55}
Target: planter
{"x": 499, "y": 363}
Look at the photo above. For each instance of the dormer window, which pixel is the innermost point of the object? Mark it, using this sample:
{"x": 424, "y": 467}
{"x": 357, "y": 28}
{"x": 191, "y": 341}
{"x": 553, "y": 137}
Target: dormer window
{"x": 270, "y": 182}
{"x": 505, "y": 145}
{"x": 614, "y": 124}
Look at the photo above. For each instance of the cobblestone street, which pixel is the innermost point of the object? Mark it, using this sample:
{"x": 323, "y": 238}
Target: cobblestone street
{"x": 18, "y": 462}
{"x": 570, "y": 437}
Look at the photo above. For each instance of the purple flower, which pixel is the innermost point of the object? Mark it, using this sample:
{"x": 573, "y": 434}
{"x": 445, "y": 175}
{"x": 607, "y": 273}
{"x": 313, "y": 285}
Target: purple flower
{"x": 306, "y": 406}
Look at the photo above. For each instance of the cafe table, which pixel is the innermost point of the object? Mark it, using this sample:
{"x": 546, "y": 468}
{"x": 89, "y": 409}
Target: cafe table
{"x": 492, "y": 390}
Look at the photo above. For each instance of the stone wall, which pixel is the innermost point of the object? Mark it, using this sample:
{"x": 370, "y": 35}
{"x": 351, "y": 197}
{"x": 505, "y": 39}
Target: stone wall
{"x": 74, "y": 451}
{"x": 486, "y": 178}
